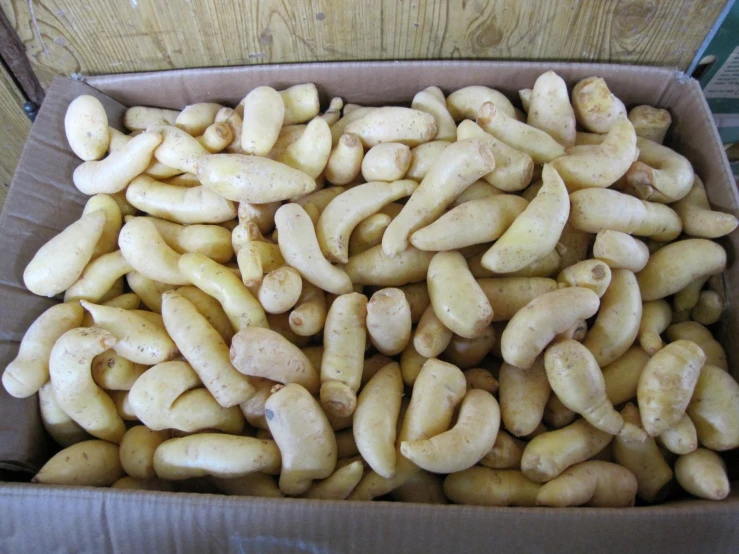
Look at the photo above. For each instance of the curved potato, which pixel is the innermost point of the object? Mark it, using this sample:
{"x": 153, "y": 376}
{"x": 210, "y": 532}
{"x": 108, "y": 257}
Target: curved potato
{"x": 523, "y": 395}
{"x": 146, "y": 251}
{"x": 345, "y": 161}
{"x": 714, "y": 409}
{"x": 593, "y": 483}
{"x": 596, "y": 107}
{"x": 673, "y": 267}
{"x": 656, "y": 317}
{"x": 108, "y": 241}
{"x": 535, "y": 231}
{"x": 702, "y": 473}
{"x": 595, "y": 209}
{"x": 311, "y": 151}
{"x": 252, "y": 179}
{"x": 431, "y": 100}
{"x": 29, "y": 370}
{"x": 680, "y": 439}
{"x": 393, "y": 124}
{"x": 139, "y": 118}
{"x": 458, "y": 300}
{"x": 473, "y": 222}
{"x": 550, "y": 110}
{"x": 304, "y": 437}
{"x": 481, "y": 486}
{"x": 74, "y": 388}
{"x": 178, "y": 150}
{"x": 204, "y": 349}
{"x": 196, "y": 118}
{"x": 465, "y": 103}
{"x": 590, "y": 274}
{"x": 92, "y": 463}
{"x": 533, "y": 327}
{"x": 620, "y": 250}
{"x": 431, "y": 337}
{"x": 699, "y": 220}
{"x": 116, "y": 171}
{"x": 211, "y": 240}
{"x": 386, "y": 162}
{"x": 458, "y": 166}
{"x": 619, "y": 317}
{"x": 264, "y": 114}
{"x": 660, "y": 174}
{"x": 374, "y": 267}
{"x": 179, "y": 204}
{"x": 60, "y": 262}
{"x": 422, "y": 158}
{"x": 225, "y": 456}
{"x": 63, "y": 429}
{"x": 650, "y": 122}
{"x": 347, "y": 210}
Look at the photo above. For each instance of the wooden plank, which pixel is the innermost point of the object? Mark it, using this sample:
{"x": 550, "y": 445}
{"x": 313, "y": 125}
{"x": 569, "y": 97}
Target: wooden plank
{"x": 69, "y": 36}
{"x": 14, "y": 128}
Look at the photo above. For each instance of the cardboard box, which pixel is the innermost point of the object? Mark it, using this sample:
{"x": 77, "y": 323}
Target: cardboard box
{"x": 43, "y": 200}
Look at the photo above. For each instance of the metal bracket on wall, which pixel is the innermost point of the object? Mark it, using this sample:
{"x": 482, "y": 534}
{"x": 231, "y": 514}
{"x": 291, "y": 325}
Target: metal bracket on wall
{"x": 13, "y": 57}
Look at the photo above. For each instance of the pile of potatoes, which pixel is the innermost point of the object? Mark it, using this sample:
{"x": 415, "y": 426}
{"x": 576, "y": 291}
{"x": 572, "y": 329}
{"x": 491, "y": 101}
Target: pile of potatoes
{"x": 446, "y": 302}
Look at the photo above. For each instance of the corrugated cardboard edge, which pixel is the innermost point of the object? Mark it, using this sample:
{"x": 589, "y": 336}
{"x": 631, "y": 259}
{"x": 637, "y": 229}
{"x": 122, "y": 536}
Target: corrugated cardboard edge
{"x": 111, "y": 521}
{"x": 108, "y": 521}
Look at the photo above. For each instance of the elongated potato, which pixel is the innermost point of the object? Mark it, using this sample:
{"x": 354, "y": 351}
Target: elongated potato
{"x": 196, "y": 118}
{"x": 411, "y": 363}
{"x": 29, "y": 370}
{"x": 265, "y": 353}
{"x": 431, "y": 100}
{"x": 108, "y": 241}
{"x": 697, "y": 333}
{"x": 264, "y": 113}
{"x": 422, "y": 158}
{"x": 680, "y": 439}
{"x": 465, "y": 444}
{"x": 343, "y": 354}
{"x": 650, "y": 122}
{"x": 204, "y": 349}
{"x": 148, "y": 290}
{"x": 333, "y": 113}
{"x": 374, "y": 267}
{"x": 171, "y": 396}
{"x": 180, "y": 204}
{"x": 535, "y": 143}
{"x": 590, "y": 274}
{"x": 702, "y": 473}
{"x": 139, "y": 118}
{"x": 389, "y": 321}
{"x": 523, "y": 395}
{"x": 622, "y": 376}
{"x": 63, "y": 429}
{"x": 458, "y": 300}
{"x": 211, "y": 240}
{"x": 593, "y": 483}
{"x": 437, "y": 390}
{"x": 550, "y": 109}
{"x": 507, "y": 295}
{"x": 505, "y": 454}
{"x": 481, "y": 486}
{"x": 644, "y": 460}
{"x": 699, "y": 220}
{"x": 387, "y": 162}
{"x": 339, "y": 484}
{"x": 110, "y": 371}
{"x": 178, "y": 149}
{"x": 577, "y": 381}
{"x": 74, "y": 388}
{"x": 603, "y": 164}
{"x": 707, "y": 310}
{"x": 137, "y": 451}
{"x": 219, "y": 455}
{"x": 92, "y": 463}
{"x": 656, "y": 317}
{"x": 301, "y": 103}
{"x": 345, "y": 161}
{"x": 263, "y": 215}
{"x": 376, "y": 418}
{"x": 311, "y": 151}
{"x": 619, "y": 317}
{"x": 368, "y": 233}
{"x": 465, "y": 103}
{"x": 304, "y": 436}
{"x": 116, "y": 171}
{"x": 473, "y": 222}
{"x": 146, "y": 251}
{"x": 594, "y": 210}
{"x": 218, "y": 281}
{"x": 234, "y": 121}
{"x": 431, "y": 337}
{"x": 300, "y": 248}
{"x": 309, "y": 315}
{"x": 660, "y": 174}
{"x": 667, "y": 383}
{"x": 98, "y": 277}
{"x": 346, "y": 211}
{"x": 252, "y": 178}
{"x": 61, "y": 261}
{"x": 535, "y": 232}
{"x": 466, "y": 353}
{"x": 513, "y": 168}
{"x": 533, "y": 327}
{"x": 714, "y": 409}
{"x": 86, "y": 128}
{"x": 620, "y": 250}
{"x": 549, "y": 454}
{"x": 138, "y": 339}
{"x": 393, "y": 124}
{"x": 596, "y": 107}
{"x": 673, "y": 267}
{"x": 458, "y": 166}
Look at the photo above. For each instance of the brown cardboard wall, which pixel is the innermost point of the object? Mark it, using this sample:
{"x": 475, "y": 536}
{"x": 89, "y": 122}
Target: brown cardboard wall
{"x": 42, "y": 201}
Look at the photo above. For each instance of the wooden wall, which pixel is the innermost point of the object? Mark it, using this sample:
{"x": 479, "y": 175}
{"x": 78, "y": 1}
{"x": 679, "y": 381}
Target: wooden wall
{"x": 116, "y": 36}
{"x": 14, "y": 127}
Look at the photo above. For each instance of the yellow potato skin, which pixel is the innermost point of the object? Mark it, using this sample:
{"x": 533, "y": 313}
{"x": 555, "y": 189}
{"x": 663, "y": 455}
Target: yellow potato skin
{"x": 714, "y": 409}
{"x": 482, "y": 486}
{"x": 91, "y": 463}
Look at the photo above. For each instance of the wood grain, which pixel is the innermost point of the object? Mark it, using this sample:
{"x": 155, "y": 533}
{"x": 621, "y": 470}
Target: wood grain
{"x": 14, "y": 128}
{"x": 89, "y": 37}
